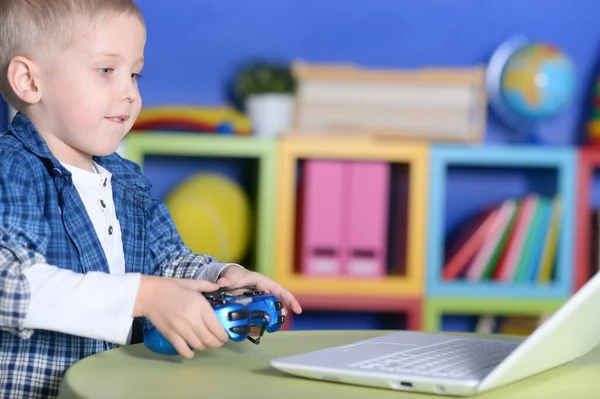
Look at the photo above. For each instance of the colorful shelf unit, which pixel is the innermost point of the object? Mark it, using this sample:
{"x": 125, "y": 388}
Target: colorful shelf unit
{"x": 550, "y": 166}
{"x": 587, "y": 167}
{"x": 141, "y": 145}
{"x": 295, "y": 149}
{"x": 441, "y": 189}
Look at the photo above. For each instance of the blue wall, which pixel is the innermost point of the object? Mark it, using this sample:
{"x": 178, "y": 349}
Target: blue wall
{"x": 194, "y": 45}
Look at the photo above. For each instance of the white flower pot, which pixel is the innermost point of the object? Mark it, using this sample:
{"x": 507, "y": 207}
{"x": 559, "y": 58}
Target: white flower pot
{"x": 270, "y": 114}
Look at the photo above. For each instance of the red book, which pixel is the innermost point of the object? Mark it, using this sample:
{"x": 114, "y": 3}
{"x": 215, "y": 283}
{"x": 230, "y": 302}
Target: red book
{"x": 468, "y": 242}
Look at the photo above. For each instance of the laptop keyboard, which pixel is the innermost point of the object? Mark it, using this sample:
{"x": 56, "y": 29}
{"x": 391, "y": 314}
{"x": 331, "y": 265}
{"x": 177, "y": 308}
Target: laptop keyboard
{"x": 454, "y": 358}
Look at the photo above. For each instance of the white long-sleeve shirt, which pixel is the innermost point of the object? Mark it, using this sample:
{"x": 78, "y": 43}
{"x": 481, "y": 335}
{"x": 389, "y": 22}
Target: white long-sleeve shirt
{"x": 95, "y": 305}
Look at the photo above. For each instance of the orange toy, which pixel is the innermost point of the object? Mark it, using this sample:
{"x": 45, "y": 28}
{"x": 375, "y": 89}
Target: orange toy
{"x": 223, "y": 120}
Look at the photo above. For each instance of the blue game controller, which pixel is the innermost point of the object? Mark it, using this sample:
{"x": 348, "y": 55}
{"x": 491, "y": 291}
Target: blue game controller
{"x": 238, "y": 313}
{"x": 260, "y": 306}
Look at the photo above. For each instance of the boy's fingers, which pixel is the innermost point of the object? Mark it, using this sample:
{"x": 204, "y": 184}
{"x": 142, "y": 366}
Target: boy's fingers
{"x": 288, "y": 299}
{"x": 223, "y": 282}
{"x": 198, "y": 285}
{"x": 292, "y": 302}
{"x": 181, "y": 346}
{"x": 214, "y": 327}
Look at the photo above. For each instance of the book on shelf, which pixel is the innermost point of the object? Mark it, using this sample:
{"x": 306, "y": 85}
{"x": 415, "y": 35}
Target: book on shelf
{"x": 512, "y": 242}
{"x": 509, "y": 325}
{"x": 519, "y": 324}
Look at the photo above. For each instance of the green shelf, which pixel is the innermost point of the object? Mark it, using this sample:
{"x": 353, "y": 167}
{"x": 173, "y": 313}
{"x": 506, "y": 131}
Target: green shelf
{"x": 138, "y": 145}
{"x": 434, "y": 309}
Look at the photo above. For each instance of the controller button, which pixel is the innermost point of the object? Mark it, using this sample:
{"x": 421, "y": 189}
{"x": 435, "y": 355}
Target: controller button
{"x": 257, "y": 314}
{"x": 278, "y": 305}
{"x": 281, "y": 319}
{"x": 238, "y": 315}
{"x": 240, "y": 330}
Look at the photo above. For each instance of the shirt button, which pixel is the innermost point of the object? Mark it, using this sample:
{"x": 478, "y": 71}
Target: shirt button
{"x": 56, "y": 172}
{"x": 104, "y": 184}
{"x": 110, "y": 230}
{"x": 102, "y": 203}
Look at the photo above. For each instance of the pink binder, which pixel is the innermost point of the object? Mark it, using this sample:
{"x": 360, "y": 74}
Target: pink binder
{"x": 323, "y": 215}
{"x": 368, "y": 200}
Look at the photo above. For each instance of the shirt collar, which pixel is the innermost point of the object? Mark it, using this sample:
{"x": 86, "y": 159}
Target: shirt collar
{"x": 23, "y": 129}
{"x": 97, "y": 180}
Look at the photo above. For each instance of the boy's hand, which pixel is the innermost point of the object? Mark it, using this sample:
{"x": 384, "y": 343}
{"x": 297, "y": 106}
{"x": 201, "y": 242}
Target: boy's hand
{"x": 177, "y": 309}
{"x": 234, "y": 276}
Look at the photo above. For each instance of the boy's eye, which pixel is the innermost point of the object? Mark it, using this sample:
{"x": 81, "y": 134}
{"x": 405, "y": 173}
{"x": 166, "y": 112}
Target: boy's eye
{"x": 136, "y": 76}
{"x": 105, "y": 71}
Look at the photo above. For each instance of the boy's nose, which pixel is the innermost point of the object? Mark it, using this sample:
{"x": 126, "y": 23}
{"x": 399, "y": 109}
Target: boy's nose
{"x": 131, "y": 92}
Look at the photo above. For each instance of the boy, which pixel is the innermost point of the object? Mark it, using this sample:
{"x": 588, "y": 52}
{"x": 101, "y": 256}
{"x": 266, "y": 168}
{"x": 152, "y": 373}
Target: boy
{"x": 85, "y": 252}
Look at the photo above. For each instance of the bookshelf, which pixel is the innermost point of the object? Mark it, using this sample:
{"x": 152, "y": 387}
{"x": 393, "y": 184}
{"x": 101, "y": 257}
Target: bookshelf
{"x": 186, "y": 150}
{"x": 444, "y": 185}
{"x": 522, "y": 170}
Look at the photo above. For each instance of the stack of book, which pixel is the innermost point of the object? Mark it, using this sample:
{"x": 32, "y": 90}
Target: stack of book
{"x": 437, "y": 104}
{"x": 514, "y": 242}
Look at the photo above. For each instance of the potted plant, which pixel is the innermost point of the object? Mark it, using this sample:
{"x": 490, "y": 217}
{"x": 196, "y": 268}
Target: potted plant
{"x": 267, "y": 91}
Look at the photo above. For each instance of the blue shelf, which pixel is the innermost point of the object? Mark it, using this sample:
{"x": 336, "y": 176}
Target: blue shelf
{"x": 460, "y": 289}
{"x": 546, "y": 170}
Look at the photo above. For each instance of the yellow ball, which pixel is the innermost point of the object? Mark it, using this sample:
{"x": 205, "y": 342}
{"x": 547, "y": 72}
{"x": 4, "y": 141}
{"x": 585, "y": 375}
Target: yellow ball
{"x": 212, "y": 215}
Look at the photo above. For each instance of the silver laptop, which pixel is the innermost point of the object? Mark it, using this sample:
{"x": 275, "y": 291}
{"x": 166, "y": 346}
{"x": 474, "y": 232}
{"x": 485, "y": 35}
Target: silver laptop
{"x": 455, "y": 365}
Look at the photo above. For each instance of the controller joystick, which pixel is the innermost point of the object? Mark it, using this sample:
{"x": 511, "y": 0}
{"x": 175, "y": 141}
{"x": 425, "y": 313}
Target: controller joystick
{"x": 268, "y": 306}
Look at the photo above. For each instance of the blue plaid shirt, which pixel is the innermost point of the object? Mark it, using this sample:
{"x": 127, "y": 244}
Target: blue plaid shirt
{"x": 42, "y": 219}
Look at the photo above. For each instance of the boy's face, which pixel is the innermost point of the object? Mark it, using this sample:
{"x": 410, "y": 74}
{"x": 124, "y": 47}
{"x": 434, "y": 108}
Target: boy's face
{"x": 90, "y": 98}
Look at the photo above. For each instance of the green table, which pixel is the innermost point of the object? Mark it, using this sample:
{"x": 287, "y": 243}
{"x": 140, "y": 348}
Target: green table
{"x": 239, "y": 370}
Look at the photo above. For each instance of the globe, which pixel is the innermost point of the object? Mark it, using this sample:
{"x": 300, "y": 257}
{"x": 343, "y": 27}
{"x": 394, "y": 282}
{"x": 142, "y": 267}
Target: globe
{"x": 529, "y": 82}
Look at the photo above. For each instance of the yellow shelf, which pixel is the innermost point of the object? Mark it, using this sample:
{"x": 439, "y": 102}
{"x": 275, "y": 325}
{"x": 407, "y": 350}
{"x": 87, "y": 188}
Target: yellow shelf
{"x": 390, "y": 286}
{"x": 293, "y": 148}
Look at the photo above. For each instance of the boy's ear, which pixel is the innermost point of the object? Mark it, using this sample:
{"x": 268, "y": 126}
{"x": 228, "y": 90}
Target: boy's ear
{"x": 24, "y": 79}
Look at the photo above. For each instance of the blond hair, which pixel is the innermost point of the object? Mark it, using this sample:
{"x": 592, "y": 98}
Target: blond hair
{"x": 38, "y": 28}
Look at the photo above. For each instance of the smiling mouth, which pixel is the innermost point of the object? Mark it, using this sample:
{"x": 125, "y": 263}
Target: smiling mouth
{"x": 118, "y": 119}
